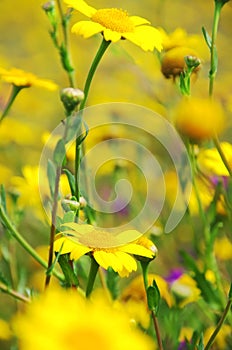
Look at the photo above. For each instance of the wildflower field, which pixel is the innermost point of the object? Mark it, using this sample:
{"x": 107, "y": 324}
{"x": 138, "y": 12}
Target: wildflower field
{"x": 116, "y": 175}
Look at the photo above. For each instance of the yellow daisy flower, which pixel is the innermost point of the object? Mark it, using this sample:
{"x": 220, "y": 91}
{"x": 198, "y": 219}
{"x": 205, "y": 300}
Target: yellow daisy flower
{"x": 115, "y": 24}
{"x": 108, "y": 250}
{"x": 64, "y": 320}
{"x": 21, "y": 78}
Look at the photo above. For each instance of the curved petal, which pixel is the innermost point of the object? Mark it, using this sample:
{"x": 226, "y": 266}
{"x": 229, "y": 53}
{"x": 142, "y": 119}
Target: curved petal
{"x": 108, "y": 259}
{"x": 63, "y": 244}
{"x": 111, "y": 35}
{"x": 81, "y": 6}
{"x": 128, "y": 236}
{"x": 87, "y": 28}
{"x": 146, "y": 37}
{"x": 128, "y": 262}
{"x": 137, "y": 249}
{"x": 78, "y": 251}
{"x": 81, "y": 229}
{"x": 138, "y": 21}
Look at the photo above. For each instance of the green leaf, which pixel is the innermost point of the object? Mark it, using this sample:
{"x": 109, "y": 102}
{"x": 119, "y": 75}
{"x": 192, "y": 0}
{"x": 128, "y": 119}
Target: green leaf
{"x": 51, "y": 174}
{"x": 70, "y": 277}
{"x": 59, "y": 153}
{"x": 230, "y": 292}
{"x": 112, "y": 282}
{"x": 200, "y": 345}
{"x": 3, "y": 197}
{"x": 153, "y": 297}
{"x": 207, "y": 37}
{"x": 71, "y": 180}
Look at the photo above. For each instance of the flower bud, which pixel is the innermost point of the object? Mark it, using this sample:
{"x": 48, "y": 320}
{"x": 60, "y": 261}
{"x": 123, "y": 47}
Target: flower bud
{"x": 71, "y": 98}
{"x": 73, "y": 205}
{"x": 49, "y": 6}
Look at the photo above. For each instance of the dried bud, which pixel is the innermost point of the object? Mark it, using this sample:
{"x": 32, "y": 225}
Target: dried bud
{"x": 49, "y": 6}
{"x": 71, "y": 98}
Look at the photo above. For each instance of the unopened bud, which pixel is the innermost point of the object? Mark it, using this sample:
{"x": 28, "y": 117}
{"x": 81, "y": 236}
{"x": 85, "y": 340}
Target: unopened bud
{"x": 48, "y": 6}
{"x": 83, "y": 202}
{"x": 73, "y": 205}
{"x": 192, "y": 61}
{"x": 71, "y": 98}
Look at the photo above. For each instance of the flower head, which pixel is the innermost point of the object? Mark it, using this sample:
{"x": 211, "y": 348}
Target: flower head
{"x": 108, "y": 250}
{"x": 81, "y": 324}
{"x": 24, "y": 79}
{"x": 115, "y": 24}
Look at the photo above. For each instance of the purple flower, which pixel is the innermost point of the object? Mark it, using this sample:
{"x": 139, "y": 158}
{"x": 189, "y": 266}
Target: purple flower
{"x": 174, "y": 275}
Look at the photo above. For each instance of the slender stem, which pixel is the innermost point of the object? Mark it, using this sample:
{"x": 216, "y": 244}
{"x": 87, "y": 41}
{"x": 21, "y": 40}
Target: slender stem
{"x": 8, "y": 224}
{"x": 79, "y": 148}
{"x": 144, "y": 266}
{"x": 64, "y": 22}
{"x": 14, "y": 293}
{"x": 213, "y": 53}
{"x": 92, "y": 276}
{"x": 219, "y": 325}
{"x": 96, "y": 61}
{"x": 222, "y": 155}
{"x": 14, "y": 92}
{"x": 53, "y": 225}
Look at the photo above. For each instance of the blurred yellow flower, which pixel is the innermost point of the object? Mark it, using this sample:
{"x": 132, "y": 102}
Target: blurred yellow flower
{"x": 210, "y": 162}
{"x": 185, "y": 287}
{"x": 64, "y": 320}
{"x": 5, "y": 332}
{"x": 21, "y": 78}
{"x": 173, "y": 61}
{"x": 116, "y": 24}
{"x": 108, "y": 250}
{"x": 223, "y": 248}
{"x": 135, "y": 290}
{"x": 198, "y": 118}
{"x": 223, "y": 339}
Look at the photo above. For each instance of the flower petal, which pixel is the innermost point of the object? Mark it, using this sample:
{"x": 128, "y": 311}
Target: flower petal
{"x": 137, "y": 250}
{"x": 108, "y": 259}
{"x": 138, "y": 21}
{"x": 78, "y": 251}
{"x": 128, "y": 262}
{"x": 66, "y": 244}
{"x": 111, "y": 35}
{"x": 146, "y": 37}
{"x": 81, "y": 229}
{"x": 87, "y": 28}
{"x": 81, "y": 6}
{"x": 128, "y": 236}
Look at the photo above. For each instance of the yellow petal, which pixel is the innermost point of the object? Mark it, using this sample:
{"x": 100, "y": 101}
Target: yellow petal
{"x": 108, "y": 259}
{"x": 87, "y": 28}
{"x": 81, "y": 229}
{"x": 78, "y": 251}
{"x": 66, "y": 244}
{"x": 81, "y": 6}
{"x": 137, "y": 250}
{"x": 138, "y": 21}
{"x": 129, "y": 263}
{"x": 111, "y": 35}
{"x": 128, "y": 236}
{"x": 146, "y": 37}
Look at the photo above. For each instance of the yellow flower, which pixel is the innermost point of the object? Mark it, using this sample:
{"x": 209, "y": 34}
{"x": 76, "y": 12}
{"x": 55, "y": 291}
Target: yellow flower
{"x": 199, "y": 119}
{"x": 223, "y": 248}
{"x": 115, "y": 24}
{"x": 223, "y": 338}
{"x": 210, "y": 162}
{"x": 108, "y": 250}
{"x": 5, "y": 332}
{"x": 185, "y": 287}
{"x": 64, "y": 320}
{"x": 21, "y": 78}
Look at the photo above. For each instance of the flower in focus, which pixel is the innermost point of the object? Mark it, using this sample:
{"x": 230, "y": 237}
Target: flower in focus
{"x": 199, "y": 119}
{"x": 116, "y": 24}
{"x": 22, "y": 79}
{"x": 108, "y": 250}
{"x": 82, "y": 324}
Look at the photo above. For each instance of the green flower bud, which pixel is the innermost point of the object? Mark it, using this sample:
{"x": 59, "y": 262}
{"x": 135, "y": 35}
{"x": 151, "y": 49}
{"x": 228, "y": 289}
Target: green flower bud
{"x": 49, "y": 6}
{"x": 71, "y": 98}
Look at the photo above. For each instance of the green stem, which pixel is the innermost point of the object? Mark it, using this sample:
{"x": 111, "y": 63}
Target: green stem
{"x": 92, "y": 276}
{"x": 53, "y": 226}
{"x": 219, "y": 325}
{"x": 14, "y": 93}
{"x": 213, "y": 52}
{"x": 8, "y": 224}
{"x": 223, "y": 158}
{"x": 144, "y": 266}
{"x": 14, "y": 293}
{"x": 104, "y": 45}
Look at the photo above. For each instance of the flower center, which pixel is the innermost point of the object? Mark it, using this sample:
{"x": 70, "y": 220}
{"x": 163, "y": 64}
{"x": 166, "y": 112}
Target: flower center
{"x": 114, "y": 19}
{"x": 98, "y": 239}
